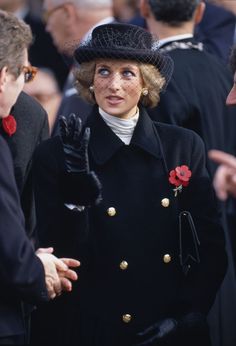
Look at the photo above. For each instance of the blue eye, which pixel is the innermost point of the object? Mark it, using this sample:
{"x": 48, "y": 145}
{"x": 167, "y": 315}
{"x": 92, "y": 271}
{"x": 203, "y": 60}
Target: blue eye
{"x": 128, "y": 73}
{"x": 103, "y": 71}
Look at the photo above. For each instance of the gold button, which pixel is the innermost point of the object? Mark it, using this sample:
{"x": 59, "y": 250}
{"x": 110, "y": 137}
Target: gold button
{"x": 165, "y": 202}
{"x": 111, "y": 211}
{"x": 126, "y": 318}
{"x": 167, "y": 258}
{"x": 123, "y": 265}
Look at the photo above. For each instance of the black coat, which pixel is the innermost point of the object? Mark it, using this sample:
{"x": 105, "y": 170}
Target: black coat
{"x": 21, "y": 272}
{"x": 142, "y": 232}
{"x": 32, "y": 128}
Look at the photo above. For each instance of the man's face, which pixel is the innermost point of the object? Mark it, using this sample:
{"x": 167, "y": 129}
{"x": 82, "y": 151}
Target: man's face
{"x": 56, "y": 23}
{"x": 231, "y": 98}
{"x": 12, "y": 88}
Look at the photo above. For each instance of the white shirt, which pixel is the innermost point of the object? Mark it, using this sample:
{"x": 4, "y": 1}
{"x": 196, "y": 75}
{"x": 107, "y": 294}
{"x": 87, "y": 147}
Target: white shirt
{"x": 123, "y": 128}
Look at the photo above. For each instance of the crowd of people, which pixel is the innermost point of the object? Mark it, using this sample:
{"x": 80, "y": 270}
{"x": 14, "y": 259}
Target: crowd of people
{"x": 118, "y": 179}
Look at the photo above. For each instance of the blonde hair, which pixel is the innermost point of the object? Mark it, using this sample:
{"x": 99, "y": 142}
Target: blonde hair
{"x": 151, "y": 77}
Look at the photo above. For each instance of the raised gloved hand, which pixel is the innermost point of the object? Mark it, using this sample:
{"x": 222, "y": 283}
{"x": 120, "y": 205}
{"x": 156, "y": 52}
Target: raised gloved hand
{"x": 194, "y": 322}
{"x": 81, "y": 186}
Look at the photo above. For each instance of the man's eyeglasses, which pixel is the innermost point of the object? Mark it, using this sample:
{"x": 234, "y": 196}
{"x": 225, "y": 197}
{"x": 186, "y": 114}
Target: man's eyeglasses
{"x": 48, "y": 13}
{"x": 29, "y": 73}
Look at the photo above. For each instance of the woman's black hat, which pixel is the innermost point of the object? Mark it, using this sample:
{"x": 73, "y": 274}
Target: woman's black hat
{"x": 124, "y": 41}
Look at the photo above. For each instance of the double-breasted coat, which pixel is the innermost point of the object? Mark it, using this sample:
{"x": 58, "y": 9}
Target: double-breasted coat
{"x": 129, "y": 245}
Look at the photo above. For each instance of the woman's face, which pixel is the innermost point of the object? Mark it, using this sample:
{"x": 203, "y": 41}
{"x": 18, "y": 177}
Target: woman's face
{"x": 117, "y": 87}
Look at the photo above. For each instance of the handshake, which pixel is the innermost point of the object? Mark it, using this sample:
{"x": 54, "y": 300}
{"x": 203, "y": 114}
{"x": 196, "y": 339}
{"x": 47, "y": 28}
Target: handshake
{"x": 58, "y": 275}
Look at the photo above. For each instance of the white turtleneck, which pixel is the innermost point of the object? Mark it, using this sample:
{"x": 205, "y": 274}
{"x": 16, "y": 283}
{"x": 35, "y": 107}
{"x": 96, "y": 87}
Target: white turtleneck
{"x": 123, "y": 128}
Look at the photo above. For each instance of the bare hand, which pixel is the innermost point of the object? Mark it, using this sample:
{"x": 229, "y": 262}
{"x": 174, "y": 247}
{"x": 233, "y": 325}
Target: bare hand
{"x": 69, "y": 275}
{"x": 225, "y": 177}
{"x": 52, "y": 265}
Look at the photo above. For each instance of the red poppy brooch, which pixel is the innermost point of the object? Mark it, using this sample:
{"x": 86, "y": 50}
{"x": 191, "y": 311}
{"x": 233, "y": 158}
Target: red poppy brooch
{"x": 179, "y": 177}
{"x": 9, "y": 125}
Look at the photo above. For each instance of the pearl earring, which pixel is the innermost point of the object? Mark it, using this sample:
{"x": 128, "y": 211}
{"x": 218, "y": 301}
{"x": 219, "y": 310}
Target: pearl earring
{"x": 145, "y": 91}
{"x": 91, "y": 89}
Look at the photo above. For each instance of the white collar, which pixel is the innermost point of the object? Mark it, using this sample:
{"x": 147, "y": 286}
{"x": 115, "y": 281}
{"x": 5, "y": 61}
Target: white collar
{"x": 174, "y": 38}
{"x": 123, "y": 128}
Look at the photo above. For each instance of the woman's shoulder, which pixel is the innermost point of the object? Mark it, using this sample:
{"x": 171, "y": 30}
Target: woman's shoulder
{"x": 177, "y": 134}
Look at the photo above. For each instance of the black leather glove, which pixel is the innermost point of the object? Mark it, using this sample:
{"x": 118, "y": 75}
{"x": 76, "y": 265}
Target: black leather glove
{"x": 81, "y": 186}
{"x": 194, "y": 322}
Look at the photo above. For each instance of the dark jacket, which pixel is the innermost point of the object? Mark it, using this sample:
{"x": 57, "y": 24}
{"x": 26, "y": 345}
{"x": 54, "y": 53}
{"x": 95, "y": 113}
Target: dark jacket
{"x": 140, "y": 232}
{"x": 32, "y": 128}
{"x": 21, "y": 272}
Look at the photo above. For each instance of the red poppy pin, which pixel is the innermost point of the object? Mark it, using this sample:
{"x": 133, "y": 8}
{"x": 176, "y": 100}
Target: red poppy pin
{"x": 179, "y": 177}
{"x": 9, "y": 125}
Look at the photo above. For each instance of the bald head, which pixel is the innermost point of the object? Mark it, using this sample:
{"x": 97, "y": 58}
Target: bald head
{"x": 87, "y": 4}
{"x": 69, "y": 21}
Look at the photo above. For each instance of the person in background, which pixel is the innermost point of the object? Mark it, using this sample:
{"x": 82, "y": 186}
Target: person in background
{"x": 133, "y": 200}
{"x": 216, "y": 30}
{"x": 125, "y": 10}
{"x": 45, "y": 89}
{"x": 42, "y": 52}
{"x": 224, "y": 179}
{"x": 71, "y": 22}
{"x": 26, "y": 276}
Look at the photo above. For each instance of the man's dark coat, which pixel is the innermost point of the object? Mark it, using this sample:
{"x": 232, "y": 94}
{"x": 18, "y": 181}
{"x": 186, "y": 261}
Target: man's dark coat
{"x": 142, "y": 231}
{"x": 32, "y": 128}
{"x": 21, "y": 272}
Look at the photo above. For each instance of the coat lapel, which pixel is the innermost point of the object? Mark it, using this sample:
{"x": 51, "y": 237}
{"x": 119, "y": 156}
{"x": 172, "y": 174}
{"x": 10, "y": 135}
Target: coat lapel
{"x": 145, "y": 136}
{"x": 104, "y": 143}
